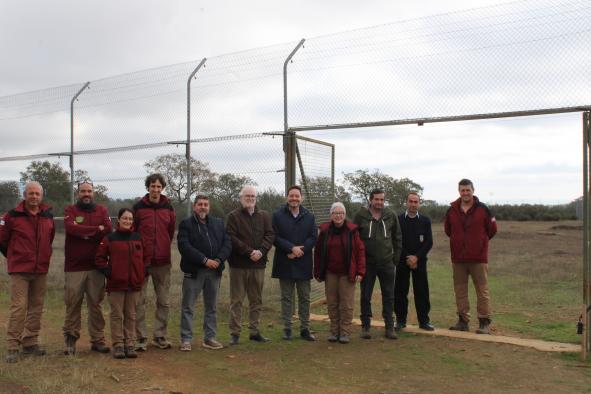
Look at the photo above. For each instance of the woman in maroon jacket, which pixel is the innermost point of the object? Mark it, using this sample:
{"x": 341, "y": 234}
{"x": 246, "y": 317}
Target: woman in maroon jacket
{"x": 123, "y": 259}
{"x": 339, "y": 261}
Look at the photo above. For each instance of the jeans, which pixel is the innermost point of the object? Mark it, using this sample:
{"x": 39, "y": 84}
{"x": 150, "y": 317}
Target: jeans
{"x": 208, "y": 282}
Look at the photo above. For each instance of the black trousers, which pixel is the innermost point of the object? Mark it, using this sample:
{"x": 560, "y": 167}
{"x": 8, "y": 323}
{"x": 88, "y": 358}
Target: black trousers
{"x": 386, "y": 276}
{"x": 420, "y": 286}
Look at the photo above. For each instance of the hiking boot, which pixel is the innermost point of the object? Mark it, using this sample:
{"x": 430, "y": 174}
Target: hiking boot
{"x": 212, "y": 344}
{"x": 130, "y": 352}
{"x": 12, "y": 356}
{"x": 344, "y": 339}
{"x": 185, "y": 346}
{"x": 119, "y": 352}
{"x": 69, "y": 345}
{"x": 286, "y": 334}
{"x": 141, "y": 345}
{"x": 365, "y": 332}
{"x": 390, "y": 333}
{"x": 33, "y": 350}
{"x": 484, "y": 326}
{"x": 161, "y": 342}
{"x": 100, "y": 348}
{"x": 307, "y": 335}
{"x": 234, "y": 338}
{"x": 333, "y": 338}
{"x": 461, "y": 325}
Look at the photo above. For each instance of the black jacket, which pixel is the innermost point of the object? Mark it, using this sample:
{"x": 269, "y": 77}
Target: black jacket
{"x": 199, "y": 242}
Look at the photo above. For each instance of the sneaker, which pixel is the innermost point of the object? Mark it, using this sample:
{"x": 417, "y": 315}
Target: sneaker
{"x": 12, "y": 356}
{"x": 141, "y": 345}
{"x": 234, "y": 338}
{"x": 130, "y": 352}
{"x": 185, "y": 346}
{"x": 258, "y": 338}
{"x": 213, "y": 344}
{"x": 286, "y": 334}
{"x": 344, "y": 339}
{"x": 333, "y": 338}
{"x": 390, "y": 334}
{"x": 161, "y": 343}
{"x": 307, "y": 335}
{"x": 365, "y": 332}
{"x": 119, "y": 352}
{"x": 100, "y": 348}
{"x": 69, "y": 345}
{"x": 33, "y": 350}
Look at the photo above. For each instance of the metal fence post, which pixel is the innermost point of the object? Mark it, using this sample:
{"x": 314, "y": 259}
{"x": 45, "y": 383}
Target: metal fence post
{"x": 586, "y": 235}
{"x": 289, "y": 143}
{"x": 188, "y": 143}
{"x": 72, "y": 198}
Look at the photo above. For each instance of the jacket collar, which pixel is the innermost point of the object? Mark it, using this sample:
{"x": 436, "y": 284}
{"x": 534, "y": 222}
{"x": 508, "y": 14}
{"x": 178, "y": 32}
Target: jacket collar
{"x": 21, "y": 207}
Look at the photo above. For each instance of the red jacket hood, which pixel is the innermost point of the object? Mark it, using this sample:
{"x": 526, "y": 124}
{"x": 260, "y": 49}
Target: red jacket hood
{"x": 21, "y": 207}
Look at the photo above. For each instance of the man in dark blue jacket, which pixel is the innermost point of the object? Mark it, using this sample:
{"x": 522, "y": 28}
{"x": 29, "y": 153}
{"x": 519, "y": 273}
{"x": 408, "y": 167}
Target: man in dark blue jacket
{"x": 204, "y": 246}
{"x": 295, "y": 237}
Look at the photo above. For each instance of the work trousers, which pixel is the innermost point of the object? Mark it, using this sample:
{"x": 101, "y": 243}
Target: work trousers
{"x": 161, "y": 280}
{"x": 386, "y": 275}
{"x": 340, "y": 294}
{"x": 287, "y": 301}
{"x": 420, "y": 287}
{"x": 479, "y": 274}
{"x": 123, "y": 315}
{"x": 92, "y": 284}
{"x": 27, "y": 292}
{"x": 246, "y": 282}
{"x": 207, "y": 281}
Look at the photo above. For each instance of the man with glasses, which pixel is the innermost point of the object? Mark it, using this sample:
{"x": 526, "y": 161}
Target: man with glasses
{"x": 252, "y": 237}
{"x": 86, "y": 223}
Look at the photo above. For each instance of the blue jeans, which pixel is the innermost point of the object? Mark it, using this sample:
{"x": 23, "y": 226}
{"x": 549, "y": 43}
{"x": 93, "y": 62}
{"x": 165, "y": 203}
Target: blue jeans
{"x": 208, "y": 281}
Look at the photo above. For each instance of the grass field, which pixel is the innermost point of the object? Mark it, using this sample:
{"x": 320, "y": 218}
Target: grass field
{"x": 535, "y": 278}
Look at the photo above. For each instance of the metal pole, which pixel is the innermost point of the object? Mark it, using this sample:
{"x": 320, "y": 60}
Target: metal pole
{"x": 288, "y": 139}
{"x": 586, "y": 233}
{"x": 188, "y": 143}
{"x": 72, "y": 198}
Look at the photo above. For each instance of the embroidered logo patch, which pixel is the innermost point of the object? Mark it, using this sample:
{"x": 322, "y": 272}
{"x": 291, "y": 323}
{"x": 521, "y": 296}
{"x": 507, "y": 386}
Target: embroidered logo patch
{"x": 79, "y": 219}
{"x": 1, "y": 222}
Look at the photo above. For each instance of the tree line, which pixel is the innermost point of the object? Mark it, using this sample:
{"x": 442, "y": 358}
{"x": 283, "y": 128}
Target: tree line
{"x": 223, "y": 189}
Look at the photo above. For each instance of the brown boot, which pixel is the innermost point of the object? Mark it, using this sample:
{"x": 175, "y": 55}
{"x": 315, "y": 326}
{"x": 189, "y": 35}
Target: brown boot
{"x": 484, "y": 326}
{"x": 461, "y": 325}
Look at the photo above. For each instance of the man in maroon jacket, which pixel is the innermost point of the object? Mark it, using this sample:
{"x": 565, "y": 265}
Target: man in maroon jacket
{"x": 26, "y": 235}
{"x": 86, "y": 224}
{"x": 469, "y": 225}
{"x": 155, "y": 220}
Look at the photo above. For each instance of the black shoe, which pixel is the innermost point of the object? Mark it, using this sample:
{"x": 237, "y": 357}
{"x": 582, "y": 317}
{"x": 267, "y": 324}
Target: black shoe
{"x": 400, "y": 325}
{"x": 34, "y": 350}
{"x": 390, "y": 333}
{"x": 234, "y": 339}
{"x": 70, "y": 345}
{"x": 427, "y": 326}
{"x": 307, "y": 335}
{"x": 100, "y": 348}
{"x": 286, "y": 334}
{"x": 258, "y": 338}
{"x": 365, "y": 332}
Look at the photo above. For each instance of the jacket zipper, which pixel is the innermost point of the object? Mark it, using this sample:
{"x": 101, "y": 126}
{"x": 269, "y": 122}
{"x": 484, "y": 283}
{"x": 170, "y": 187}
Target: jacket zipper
{"x": 130, "y": 250}
{"x": 154, "y": 248}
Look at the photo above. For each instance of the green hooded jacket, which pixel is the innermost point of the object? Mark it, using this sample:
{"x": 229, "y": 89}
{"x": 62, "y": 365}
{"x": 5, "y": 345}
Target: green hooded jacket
{"x": 382, "y": 237}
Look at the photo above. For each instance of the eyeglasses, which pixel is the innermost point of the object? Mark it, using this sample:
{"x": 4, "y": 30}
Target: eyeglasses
{"x": 338, "y": 213}
{"x": 249, "y": 195}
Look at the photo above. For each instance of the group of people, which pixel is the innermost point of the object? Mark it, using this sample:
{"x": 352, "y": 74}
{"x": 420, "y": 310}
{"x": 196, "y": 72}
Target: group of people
{"x": 376, "y": 244}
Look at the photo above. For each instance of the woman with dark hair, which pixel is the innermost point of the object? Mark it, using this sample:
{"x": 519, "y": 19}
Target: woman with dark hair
{"x": 339, "y": 261}
{"x": 121, "y": 256}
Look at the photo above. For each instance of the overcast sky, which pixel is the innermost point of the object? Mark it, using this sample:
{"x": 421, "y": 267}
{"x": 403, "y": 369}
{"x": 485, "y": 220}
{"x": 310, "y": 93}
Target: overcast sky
{"x": 52, "y": 43}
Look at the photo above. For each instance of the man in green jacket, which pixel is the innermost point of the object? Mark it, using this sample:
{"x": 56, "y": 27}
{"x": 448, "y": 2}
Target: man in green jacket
{"x": 380, "y": 231}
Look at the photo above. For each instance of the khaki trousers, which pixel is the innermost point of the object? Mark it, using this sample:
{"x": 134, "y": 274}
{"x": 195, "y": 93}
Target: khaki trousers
{"x": 161, "y": 280}
{"x": 246, "y": 282}
{"x": 122, "y": 317}
{"x": 27, "y": 292}
{"x": 340, "y": 294}
{"x": 479, "y": 274}
{"x": 77, "y": 284}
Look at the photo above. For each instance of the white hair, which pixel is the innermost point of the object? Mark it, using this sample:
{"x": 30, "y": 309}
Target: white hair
{"x": 336, "y": 205}
{"x": 32, "y": 183}
{"x": 247, "y": 187}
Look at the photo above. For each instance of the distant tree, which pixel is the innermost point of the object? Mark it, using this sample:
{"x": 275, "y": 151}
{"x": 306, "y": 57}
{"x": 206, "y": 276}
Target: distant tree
{"x": 54, "y": 179}
{"x": 269, "y": 199}
{"x": 9, "y": 195}
{"x": 100, "y": 191}
{"x": 174, "y": 167}
{"x": 225, "y": 189}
